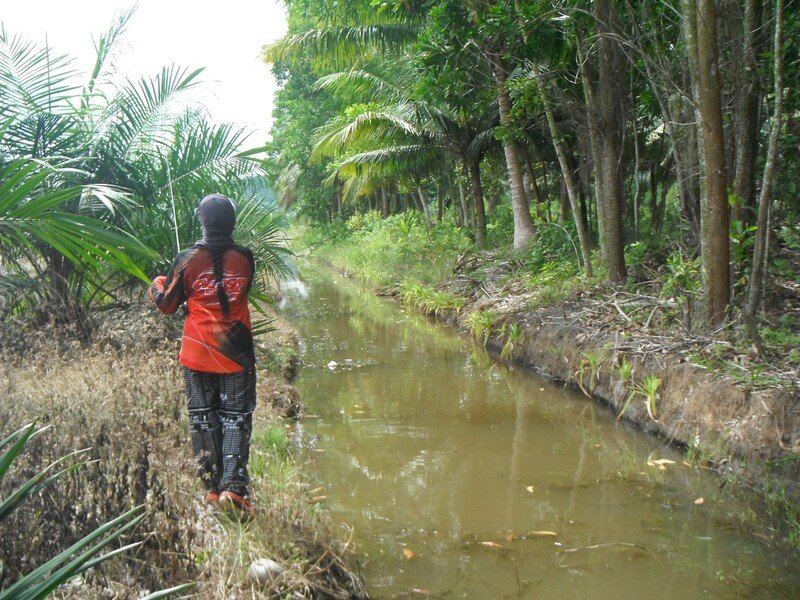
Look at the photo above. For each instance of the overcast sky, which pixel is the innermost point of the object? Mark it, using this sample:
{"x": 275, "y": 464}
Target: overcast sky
{"x": 225, "y": 37}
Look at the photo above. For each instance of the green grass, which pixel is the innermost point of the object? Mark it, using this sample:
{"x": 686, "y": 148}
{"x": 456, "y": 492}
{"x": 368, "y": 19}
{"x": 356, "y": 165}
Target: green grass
{"x": 389, "y": 253}
{"x": 429, "y": 300}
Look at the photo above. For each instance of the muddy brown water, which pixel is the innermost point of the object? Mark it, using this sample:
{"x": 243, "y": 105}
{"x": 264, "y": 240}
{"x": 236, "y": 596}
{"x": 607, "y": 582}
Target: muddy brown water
{"x": 465, "y": 478}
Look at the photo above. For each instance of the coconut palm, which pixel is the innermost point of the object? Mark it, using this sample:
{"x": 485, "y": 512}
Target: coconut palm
{"x": 409, "y": 134}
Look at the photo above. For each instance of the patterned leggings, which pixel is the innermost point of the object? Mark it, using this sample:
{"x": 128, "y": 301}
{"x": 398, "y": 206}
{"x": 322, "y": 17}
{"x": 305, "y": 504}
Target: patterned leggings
{"x": 220, "y": 422}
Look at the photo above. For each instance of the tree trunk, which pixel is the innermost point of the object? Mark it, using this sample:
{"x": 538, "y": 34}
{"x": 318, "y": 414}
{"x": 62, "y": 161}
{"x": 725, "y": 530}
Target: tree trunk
{"x": 715, "y": 245}
{"x": 423, "y": 202}
{"x": 464, "y": 211}
{"x": 758, "y": 273}
{"x": 685, "y": 162}
{"x": 563, "y": 204}
{"x": 695, "y": 146}
{"x": 569, "y": 180}
{"x": 384, "y": 202}
{"x": 474, "y": 169}
{"x": 637, "y": 186}
{"x": 439, "y": 203}
{"x": 530, "y": 180}
{"x": 610, "y": 169}
{"x": 594, "y": 125}
{"x": 524, "y": 229}
{"x": 747, "y": 100}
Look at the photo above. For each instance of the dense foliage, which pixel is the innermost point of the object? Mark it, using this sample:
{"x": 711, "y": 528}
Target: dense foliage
{"x": 100, "y": 177}
{"x": 647, "y": 131}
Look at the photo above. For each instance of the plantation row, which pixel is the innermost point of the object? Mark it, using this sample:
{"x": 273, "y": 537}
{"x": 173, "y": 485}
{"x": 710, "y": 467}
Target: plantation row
{"x": 645, "y": 137}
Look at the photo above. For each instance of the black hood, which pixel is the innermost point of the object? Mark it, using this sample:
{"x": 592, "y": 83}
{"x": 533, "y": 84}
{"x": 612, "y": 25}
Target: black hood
{"x": 217, "y": 215}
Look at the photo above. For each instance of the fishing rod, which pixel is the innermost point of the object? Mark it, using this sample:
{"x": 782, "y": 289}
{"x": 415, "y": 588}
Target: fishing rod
{"x": 174, "y": 214}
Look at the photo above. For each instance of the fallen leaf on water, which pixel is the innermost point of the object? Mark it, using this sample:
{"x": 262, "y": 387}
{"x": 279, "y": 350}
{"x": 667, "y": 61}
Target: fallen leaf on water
{"x": 541, "y": 389}
{"x": 542, "y": 534}
{"x": 408, "y": 553}
{"x": 318, "y": 498}
{"x": 422, "y": 591}
{"x": 491, "y": 544}
{"x": 530, "y": 488}
{"x": 509, "y": 537}
{"x": 317, "y": 490}
{"x": 699, "y": 500}
{"x": 664, "y": 461}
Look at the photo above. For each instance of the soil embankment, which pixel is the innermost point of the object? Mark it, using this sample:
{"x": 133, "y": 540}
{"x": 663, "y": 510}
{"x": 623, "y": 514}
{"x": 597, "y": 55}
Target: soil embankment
{"x": 121, "y": 396}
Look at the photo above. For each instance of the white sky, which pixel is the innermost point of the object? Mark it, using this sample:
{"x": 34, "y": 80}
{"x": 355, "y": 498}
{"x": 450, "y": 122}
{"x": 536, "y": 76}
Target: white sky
{"x": 224, "y": 37}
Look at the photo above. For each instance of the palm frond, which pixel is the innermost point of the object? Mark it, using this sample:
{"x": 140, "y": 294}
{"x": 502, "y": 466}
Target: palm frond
{"x": 104, "y": 52}
{"x": 29, "y": 217}
{"x": 359, "y": 83}
{"x": 32, "y": 78}
{"x": 341, "y": 45}
{"x": 366, "y": 127}
{"x": 139, "y": 115}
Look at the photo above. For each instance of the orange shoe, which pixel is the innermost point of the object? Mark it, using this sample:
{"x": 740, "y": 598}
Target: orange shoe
{"x": 212, "y": 497}
{"x": 234, "y": 503}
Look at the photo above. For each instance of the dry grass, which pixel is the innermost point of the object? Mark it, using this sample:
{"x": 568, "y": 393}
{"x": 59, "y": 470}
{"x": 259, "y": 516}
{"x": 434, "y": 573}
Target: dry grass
{"x": 122, "y": 397}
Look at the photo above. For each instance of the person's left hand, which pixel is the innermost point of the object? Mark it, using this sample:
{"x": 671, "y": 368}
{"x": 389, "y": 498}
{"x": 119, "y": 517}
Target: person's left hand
{"x": 158, "y": 285}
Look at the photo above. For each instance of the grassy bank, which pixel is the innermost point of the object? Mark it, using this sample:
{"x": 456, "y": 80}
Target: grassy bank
{"x": 121, "y": 395}
{"x": 640, "y": 348}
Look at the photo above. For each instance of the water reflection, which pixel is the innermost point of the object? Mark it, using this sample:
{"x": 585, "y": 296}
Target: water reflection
{"x": 468, "y": 479}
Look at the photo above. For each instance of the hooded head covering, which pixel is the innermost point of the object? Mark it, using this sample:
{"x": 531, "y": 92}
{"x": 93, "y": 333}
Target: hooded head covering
{"x": 217, "y": 215}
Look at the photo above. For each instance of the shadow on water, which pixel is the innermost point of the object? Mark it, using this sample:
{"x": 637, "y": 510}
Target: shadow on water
{"x": 465, "y": 478}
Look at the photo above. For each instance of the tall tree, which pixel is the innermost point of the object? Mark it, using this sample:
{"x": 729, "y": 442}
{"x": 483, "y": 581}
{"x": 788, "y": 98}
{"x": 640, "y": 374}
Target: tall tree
{"x": 746, "y": 113}
{"x": 715, "y": 242}
{"x": 566, "y": 172}
{"x": 609, "y": 170}
{"x": 758, "y": 271}
{"x": 524, "y": 229}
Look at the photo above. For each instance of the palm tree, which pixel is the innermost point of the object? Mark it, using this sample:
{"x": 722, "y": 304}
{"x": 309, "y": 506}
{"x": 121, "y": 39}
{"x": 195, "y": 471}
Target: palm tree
{"x": 409, "y": 134}
{"x": 98, "y": 174}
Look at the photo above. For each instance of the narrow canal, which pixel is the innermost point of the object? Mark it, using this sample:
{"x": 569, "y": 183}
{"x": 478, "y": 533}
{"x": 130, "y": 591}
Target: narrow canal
{"x": 464, "y": 478}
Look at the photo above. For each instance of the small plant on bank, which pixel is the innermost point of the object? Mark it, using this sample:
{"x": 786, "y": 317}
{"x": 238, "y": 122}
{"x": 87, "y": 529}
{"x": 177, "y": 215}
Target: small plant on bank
{"x": 480, "y": 324}
{"x": 625, "y": 369}
{"x": 514, "y": 335}
{"x": 683, "y": 282}
{"x": 430, "y": 301}
{"x": 590, "y": 367}
{"x": 648, "y": 390}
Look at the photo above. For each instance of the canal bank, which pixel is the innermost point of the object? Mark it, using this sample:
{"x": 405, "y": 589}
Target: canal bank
{"x": 463, "y": 475}
{"x": 120, "y": 395}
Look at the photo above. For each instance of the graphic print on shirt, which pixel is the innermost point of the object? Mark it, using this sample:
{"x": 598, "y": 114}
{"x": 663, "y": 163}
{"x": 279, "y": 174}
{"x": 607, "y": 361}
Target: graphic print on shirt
{"x": 212, "y": 341}
{"x": 206, "y": 285}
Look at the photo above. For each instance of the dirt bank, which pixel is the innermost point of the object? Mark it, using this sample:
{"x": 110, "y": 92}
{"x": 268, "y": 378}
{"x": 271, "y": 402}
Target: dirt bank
{"x": 121, "y": 395}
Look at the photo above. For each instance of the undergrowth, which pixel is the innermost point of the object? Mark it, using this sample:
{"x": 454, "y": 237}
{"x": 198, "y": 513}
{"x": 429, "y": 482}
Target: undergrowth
{"x": 122, "y": 397}
{"x": 390, "y": 252}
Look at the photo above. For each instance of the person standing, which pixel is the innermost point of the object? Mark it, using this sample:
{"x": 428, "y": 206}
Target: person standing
{"x": 213, "y": 278}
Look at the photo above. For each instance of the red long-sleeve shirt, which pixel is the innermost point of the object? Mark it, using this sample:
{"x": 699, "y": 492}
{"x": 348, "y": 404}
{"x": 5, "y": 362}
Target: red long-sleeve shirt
{"x": 212, "y": 342}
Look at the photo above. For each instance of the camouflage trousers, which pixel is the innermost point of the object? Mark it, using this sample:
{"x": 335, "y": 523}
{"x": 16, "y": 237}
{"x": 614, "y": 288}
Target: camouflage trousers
{"x": 221, "y": 409}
